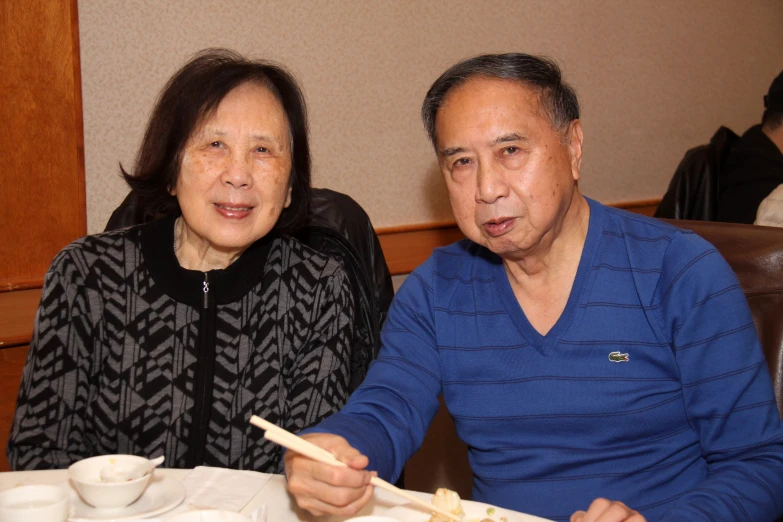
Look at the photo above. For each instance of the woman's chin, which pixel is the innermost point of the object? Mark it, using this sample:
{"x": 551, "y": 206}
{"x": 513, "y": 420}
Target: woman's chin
{"x": 232, "y": 244}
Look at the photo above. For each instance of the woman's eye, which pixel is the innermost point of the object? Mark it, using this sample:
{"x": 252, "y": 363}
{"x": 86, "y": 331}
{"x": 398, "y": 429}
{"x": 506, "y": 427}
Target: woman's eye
{"x": 215, "y": 144}
{"x": 262, "y": 149}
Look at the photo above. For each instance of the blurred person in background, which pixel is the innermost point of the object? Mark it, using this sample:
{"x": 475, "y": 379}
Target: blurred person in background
{"x": 754, "y": 169}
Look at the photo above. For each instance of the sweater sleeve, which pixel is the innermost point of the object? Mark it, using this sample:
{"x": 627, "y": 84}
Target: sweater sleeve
{"x": 726, "y": 387}
{"x": 320, "y": 375}
{"x": 49, "y": 429}
{"x": 387, "y": 417}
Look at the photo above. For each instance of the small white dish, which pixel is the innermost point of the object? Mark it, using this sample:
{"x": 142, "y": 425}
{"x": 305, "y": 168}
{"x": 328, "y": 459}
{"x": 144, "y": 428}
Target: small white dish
{"x": 85, "y": 476}
{"x": 209, "y": 515}
{"x": 34, "y": 502}
{"x": 162, "y": 495}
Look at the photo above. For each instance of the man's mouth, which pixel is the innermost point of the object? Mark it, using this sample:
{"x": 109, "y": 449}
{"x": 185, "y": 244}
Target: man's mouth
{"x": 498, "y": 227}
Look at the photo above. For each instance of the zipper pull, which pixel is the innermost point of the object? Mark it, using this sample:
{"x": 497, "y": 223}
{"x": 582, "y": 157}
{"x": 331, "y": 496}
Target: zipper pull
{"x": 206, "y": 289}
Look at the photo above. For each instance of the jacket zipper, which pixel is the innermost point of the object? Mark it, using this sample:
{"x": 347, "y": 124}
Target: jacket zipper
{"x": 205, "y": 368}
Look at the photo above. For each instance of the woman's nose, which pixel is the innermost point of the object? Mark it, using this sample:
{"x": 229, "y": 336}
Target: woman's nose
{"x": 238, "y": 172}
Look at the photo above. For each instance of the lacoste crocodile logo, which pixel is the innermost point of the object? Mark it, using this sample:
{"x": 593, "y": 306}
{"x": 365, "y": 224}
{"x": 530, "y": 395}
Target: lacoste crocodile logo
{"x": 618, "y": 357}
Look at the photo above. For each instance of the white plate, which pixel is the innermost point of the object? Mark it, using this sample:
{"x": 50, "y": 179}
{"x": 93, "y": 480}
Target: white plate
{"x": 474, "y": 512}
{"x": 162, "y": 495}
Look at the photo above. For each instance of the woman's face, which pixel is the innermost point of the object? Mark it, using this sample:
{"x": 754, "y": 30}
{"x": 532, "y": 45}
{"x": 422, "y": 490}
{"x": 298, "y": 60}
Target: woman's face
{"x": 234, "y": 178}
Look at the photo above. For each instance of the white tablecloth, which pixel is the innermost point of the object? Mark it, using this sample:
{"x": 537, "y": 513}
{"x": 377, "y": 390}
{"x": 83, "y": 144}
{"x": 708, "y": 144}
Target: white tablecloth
{"x": 280, "y": 506}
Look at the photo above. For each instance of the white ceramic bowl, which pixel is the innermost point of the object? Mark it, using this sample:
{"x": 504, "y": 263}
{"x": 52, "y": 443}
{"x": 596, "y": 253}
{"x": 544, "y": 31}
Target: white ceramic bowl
{"x": 86, "y": 478}
{"x": 36, "y": 502}
{"x": 209, "y": 515}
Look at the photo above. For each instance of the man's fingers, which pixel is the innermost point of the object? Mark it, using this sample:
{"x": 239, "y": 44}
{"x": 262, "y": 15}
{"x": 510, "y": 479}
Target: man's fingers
{"x": 325, "y": 488}
{"x": 597, "y": 507}
{"x": 336, "y": 475}
{"x": 603, "y": 510}
{"x": 318, "y": 507}
{"x": 342, "y": 451}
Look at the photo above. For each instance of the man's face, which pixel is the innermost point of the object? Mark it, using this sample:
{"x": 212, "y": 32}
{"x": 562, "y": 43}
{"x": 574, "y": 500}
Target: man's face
{"x": 511, "y": 177}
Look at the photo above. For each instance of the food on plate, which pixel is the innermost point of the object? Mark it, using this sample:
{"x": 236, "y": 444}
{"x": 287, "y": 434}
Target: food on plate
{"x": 448, "y": 500}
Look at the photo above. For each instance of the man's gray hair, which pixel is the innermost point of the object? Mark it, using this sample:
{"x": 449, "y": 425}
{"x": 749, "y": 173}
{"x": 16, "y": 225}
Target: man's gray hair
{"x": 556, "y": 98}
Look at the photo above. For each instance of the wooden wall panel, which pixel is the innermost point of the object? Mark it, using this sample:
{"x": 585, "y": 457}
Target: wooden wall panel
{"x": 407, "y": 248}
{"x": 42, "y": 204}
{"x": 17, "y": 316}
{"x": 11, "y": 365}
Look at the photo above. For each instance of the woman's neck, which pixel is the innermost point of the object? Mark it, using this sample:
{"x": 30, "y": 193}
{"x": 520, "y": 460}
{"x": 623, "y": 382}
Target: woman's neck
{"x": 196, "y": 253}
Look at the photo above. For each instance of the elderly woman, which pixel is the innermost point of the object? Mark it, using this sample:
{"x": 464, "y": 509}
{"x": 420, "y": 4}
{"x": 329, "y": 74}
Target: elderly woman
{"x": 164, "y": 338}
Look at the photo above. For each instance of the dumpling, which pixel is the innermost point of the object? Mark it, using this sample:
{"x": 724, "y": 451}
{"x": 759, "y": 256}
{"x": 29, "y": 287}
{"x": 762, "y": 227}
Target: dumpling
{"x": 448, "y": 500}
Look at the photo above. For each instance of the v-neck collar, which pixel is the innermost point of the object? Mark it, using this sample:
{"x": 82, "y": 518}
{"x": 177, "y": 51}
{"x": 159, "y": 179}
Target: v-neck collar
{"x": 514, "y": 310}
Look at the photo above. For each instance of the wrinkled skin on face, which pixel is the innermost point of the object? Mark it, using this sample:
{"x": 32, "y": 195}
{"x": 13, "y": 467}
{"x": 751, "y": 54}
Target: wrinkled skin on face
{"x": 511, "y": 177}
{"x": 234, "y": 178}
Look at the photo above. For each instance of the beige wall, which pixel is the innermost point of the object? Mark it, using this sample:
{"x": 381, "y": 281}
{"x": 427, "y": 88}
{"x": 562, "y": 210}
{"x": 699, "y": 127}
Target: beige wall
{"x": 654, "y": 78}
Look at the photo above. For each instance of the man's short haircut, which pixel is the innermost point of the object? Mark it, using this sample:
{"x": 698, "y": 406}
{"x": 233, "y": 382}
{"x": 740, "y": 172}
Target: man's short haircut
{"x": 773, "y": 104}
{"x": 556, "y": 98}
{"x": 188, "y": 99}
{"x": 772, "y": 119}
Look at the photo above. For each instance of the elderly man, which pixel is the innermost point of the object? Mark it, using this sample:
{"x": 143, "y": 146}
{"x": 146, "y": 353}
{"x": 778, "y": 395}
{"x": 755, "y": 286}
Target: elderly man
{"x": 582, "y": 351}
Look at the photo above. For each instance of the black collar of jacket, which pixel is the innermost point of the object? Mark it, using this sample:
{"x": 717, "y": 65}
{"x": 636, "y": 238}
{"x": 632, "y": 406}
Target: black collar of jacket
{"x": 186, "y": 286}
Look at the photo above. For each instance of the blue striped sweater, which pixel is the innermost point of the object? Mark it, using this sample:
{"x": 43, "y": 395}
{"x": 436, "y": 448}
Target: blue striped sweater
{"x": 685, "y": 429}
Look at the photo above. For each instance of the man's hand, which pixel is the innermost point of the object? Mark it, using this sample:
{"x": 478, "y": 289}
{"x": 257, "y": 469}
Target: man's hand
{"x": 602, "y": 510}
{"x": 324, "y": 489}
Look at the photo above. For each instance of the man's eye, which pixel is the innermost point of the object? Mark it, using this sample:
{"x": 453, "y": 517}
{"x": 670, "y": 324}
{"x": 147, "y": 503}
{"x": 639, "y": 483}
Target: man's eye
{"x": 215, "y": 144}
{"x": 462, "y": 162}
{"x": 510, "y": 150}
{"x": 262, "y": 149}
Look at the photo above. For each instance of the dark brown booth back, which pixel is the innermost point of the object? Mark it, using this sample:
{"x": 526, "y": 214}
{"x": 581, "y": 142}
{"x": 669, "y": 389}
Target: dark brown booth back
{"x": 756, "y": 256}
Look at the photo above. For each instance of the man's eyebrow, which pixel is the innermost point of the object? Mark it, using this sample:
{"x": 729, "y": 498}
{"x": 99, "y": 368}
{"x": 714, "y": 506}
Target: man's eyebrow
{"x": 507, "y": 138}
{"x": 451, "y": 151}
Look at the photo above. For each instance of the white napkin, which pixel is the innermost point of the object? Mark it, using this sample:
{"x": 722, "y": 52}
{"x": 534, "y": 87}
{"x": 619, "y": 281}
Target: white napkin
{"x": 220, "y": 488}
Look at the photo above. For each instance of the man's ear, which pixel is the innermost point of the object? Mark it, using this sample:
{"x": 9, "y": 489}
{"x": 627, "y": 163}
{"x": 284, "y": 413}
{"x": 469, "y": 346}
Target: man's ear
{"x": 575, "y": 139}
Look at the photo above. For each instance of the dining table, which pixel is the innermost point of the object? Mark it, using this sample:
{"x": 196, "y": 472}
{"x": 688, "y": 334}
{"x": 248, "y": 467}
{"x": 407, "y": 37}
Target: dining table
{"x": 241, "y": 491}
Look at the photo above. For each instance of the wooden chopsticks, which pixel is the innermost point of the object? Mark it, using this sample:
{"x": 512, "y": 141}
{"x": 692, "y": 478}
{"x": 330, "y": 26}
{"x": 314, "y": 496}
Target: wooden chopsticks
{"x": 294, "y": 443}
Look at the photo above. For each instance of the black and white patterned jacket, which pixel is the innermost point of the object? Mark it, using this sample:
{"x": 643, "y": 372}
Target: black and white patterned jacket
{"x": 134, "y": 354}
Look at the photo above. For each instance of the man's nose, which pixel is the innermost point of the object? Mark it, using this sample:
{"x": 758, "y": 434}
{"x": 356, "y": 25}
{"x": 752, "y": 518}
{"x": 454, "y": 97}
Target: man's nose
{"x": 490, "y": 182}
{"x": 237, "y": 172}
